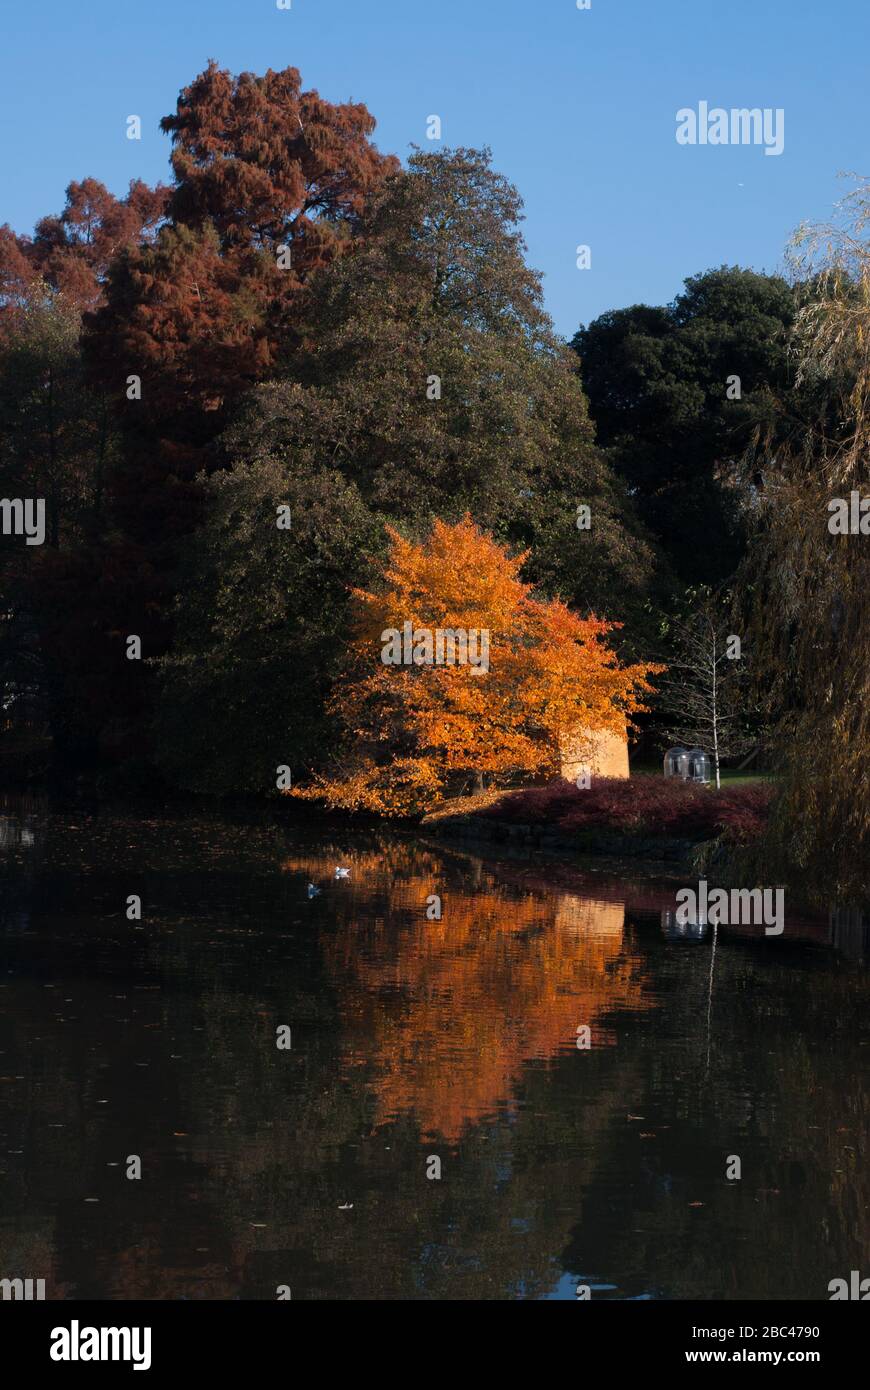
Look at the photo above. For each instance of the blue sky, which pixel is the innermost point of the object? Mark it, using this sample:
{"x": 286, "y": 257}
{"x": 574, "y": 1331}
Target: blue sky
{"x": 578, "y": 107}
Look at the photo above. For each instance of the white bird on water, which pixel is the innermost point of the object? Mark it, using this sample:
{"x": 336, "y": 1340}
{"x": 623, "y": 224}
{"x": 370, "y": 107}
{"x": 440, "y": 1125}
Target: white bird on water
{"x": 312, "y": 890}
{"x": 342, "y": 873}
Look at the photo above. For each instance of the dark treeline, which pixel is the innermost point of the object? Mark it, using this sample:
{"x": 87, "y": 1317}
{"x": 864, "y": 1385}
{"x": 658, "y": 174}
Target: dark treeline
{"x": 297, "y": 321}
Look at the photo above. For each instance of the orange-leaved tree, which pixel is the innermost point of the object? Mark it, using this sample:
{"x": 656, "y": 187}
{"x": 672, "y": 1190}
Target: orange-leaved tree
{"x": 456, "y": 669}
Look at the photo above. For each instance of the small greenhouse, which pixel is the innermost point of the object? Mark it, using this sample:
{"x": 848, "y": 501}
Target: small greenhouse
{"x": 699, "y": 765}
{"x": 676, "y": 762}
{"x": 692, "y": 764}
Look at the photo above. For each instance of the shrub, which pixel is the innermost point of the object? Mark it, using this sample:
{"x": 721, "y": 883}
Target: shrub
{"x": 643, "y": 804}
{"x": 742, "y": 812}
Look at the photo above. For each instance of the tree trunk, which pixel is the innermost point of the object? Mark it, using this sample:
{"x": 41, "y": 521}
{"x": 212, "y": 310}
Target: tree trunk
{"x": 715, "y": 717}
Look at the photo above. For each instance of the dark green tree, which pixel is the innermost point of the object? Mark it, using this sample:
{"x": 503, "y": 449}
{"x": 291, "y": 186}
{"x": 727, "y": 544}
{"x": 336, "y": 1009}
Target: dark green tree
{"x": 677, "y": 394}
{"x": 57, "y": 656}
{"x": 434, "y": 382}
{"x": 258, "y": 622}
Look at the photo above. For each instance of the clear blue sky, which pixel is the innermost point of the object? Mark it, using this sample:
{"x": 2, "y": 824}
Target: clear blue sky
{"x": 578, "y": 107}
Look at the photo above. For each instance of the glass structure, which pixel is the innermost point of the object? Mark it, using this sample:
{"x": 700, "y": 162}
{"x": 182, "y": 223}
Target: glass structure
{"x": 698, "y": 765}
{"x": 676, "y": 762}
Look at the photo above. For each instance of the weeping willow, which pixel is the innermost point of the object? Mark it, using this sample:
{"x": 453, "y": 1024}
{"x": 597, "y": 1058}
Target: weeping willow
{"x": 807, "y": 588}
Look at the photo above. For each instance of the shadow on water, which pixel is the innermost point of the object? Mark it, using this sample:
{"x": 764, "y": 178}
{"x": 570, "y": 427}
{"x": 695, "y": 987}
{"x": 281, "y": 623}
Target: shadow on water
{"x": 413, "y": 1038}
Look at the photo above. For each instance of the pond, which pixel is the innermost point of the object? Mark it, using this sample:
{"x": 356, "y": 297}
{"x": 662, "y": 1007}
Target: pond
{"x": 438, "y": 1127}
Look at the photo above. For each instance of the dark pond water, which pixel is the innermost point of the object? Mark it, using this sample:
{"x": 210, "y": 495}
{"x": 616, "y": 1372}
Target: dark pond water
{"x": 413, "y": 1040}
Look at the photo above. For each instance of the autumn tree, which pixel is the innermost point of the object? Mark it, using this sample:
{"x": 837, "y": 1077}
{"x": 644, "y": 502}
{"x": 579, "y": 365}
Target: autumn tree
{"x": 417, "y": 725}
{"x": 71, "y": 252}
{"x": 270, "y": 181}
{"x": 193, "y": 308}
{"x": 349, "y": 437}
{"x": 20, "y": 282}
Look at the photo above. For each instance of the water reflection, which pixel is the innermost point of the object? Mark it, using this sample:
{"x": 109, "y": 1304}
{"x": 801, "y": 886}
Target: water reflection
{"x": 15, "y": 833}
{"x": 850, "y": 932}
{"x": 411, "y": 1037}
{"x": 693, "y": 929}
{"x": 445, "y": 1014}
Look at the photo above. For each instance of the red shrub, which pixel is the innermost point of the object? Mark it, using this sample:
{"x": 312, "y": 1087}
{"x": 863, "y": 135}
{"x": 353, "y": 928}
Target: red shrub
{"x": 538, "y": 805}
{"x": 742, "y": 812}
{"x": 643, "y": 804}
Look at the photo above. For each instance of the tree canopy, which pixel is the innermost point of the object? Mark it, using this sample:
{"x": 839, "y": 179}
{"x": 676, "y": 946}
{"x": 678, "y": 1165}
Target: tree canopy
{"x": 418, "y": 724}
{"x": 676, "y": 393}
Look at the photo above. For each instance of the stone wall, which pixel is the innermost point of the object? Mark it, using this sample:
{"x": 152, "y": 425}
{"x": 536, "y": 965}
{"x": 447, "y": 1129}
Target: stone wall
{"x": 602, "y": 753}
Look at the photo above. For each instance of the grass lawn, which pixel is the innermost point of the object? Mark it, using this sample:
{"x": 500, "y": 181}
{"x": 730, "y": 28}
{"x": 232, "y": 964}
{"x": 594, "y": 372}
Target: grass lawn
{"x": 727, "y": 775}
